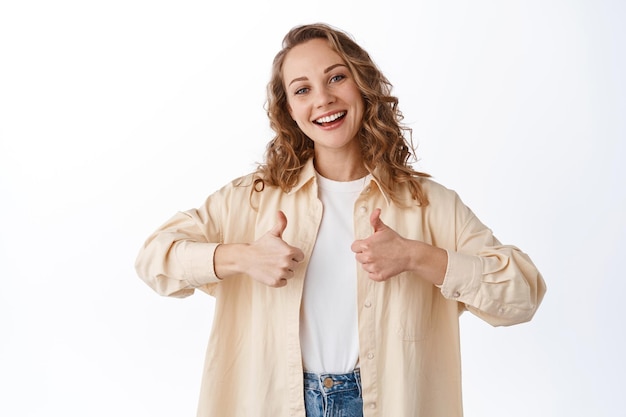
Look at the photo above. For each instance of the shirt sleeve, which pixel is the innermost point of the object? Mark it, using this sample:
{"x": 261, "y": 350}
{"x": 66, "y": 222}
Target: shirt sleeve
{"x": 178, "y": 257}
{"x": 498, "y": 283}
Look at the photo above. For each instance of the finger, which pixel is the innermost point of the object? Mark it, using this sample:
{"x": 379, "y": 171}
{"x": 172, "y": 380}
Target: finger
{"x": 281, "y": 224}
{"x": 362, "y": 258}
{"x": 357, "y": 246}
{"x": 375, "y": 276}
{"x": 280, "y": 283}
{"x": 288, "y": 274}
{"x": 375, "y": 220}
{"x": 298, "y": 256}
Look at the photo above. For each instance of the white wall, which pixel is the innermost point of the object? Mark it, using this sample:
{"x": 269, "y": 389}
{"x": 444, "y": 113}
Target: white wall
{"x": 114, "y": 115}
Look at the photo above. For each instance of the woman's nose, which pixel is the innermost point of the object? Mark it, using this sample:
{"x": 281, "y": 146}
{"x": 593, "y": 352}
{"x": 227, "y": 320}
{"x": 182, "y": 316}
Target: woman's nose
{"x": 324, "y": 97}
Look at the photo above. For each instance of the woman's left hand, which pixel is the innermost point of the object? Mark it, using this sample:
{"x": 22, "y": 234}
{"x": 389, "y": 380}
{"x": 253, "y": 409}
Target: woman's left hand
{"x": 386, "y": 254}
{"x": 383, "y": 254}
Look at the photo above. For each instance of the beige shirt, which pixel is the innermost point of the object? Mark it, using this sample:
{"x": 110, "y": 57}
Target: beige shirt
{"x": 408, "y": 328}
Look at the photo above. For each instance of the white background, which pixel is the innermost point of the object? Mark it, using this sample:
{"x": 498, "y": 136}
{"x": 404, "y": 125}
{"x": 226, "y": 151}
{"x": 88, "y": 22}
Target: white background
{"x": 114, "y": 115}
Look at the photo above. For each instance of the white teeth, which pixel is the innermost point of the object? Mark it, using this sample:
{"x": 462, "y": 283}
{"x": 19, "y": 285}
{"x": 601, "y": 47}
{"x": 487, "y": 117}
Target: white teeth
{"x": 330, "y": 118}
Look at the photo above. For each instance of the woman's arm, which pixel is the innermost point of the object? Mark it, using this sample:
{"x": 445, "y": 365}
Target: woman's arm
{"x": 498, "y": 283}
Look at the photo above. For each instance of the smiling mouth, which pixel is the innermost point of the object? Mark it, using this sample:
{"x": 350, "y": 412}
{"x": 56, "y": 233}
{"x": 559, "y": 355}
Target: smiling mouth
{"x": 326, "y": 120}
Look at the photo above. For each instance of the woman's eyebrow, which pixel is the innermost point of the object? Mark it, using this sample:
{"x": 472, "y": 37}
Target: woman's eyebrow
{"x": 298, "y": 79}
{"x": 332, "y": 67}
{"x": 326, "y": 71}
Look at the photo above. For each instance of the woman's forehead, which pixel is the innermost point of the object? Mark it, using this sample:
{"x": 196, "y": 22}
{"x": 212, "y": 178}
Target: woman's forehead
{"x": 309, "y": 57}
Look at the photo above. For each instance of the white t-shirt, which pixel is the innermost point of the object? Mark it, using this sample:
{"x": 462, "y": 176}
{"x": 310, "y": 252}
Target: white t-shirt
{"x": 328, "y": 319}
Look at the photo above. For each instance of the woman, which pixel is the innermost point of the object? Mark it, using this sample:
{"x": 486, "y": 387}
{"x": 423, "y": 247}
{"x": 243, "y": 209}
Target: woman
{"x": 300, "y": 328}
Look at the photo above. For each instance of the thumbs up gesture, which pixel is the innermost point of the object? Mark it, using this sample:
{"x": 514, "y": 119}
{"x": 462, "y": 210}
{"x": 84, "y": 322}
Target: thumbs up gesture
{"x": 270, "y": 259}
{"x": 385, "y": 253}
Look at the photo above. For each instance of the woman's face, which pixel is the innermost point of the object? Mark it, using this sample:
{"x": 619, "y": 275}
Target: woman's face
{"x": 322, "y": 97}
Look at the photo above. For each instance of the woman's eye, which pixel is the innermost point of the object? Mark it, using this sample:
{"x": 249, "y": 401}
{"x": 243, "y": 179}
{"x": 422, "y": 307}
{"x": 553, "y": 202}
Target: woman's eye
{"x": 301, "y": 90}
{"x": 337, "y": 78}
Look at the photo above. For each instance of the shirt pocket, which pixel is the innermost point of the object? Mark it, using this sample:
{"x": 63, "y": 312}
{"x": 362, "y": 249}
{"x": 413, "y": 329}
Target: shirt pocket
{"x": 412, "y": 307}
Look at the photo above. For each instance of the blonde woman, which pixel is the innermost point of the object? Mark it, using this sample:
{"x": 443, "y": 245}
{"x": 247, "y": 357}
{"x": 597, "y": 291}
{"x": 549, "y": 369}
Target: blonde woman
{"x": 339, "y": 271}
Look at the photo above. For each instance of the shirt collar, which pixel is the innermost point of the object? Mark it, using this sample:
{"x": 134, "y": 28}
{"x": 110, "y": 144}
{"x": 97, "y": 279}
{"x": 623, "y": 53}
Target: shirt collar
{"x": 374, "y": 180}
{"x": 307, "y": 174}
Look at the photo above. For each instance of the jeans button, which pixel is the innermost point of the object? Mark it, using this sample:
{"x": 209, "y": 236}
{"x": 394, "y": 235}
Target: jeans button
{"x": 328, "y": 382}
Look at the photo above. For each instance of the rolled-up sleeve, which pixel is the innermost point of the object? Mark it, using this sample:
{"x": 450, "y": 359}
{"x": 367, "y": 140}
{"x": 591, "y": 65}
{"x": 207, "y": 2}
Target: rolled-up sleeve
{"x": 178, "y": 257}
{"x": 498, "y": 283}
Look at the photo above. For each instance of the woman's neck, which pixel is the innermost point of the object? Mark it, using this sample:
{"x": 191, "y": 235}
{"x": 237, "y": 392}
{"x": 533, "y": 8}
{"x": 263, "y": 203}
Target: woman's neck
{"x": 340, "y": 169}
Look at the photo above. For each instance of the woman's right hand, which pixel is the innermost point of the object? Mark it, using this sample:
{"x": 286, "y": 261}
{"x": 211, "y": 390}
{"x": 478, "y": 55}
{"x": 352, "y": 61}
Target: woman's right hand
{"x": 269, "y": 259}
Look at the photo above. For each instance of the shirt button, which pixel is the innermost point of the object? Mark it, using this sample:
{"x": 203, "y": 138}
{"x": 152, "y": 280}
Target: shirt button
{"x": 370, "y": 356}
{"x": 363, "y": 209}
{"x": 456, "y": 294}
{"x": 368, "y": 304}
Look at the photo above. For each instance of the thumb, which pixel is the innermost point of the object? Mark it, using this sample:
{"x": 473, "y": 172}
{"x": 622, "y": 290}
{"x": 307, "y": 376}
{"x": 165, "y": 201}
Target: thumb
{"x": 376, "y": 222}
{"x": 281, "y": 224}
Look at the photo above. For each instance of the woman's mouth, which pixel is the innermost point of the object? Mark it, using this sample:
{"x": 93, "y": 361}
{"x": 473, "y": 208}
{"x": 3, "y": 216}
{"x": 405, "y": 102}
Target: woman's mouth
{"x": 326, "y": 120}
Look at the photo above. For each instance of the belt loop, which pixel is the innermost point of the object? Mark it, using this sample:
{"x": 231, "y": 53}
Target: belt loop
{"x": 320, "y": 382}
{"x": 357, "y": 378}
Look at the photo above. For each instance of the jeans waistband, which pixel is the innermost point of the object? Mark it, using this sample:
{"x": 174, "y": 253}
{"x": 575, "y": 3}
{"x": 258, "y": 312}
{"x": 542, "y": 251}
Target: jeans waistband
{"x": 329, "y": 383}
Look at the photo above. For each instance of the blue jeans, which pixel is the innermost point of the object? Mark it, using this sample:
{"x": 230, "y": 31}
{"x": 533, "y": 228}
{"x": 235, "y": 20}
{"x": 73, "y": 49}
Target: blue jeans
{"x": 333, "y": 395}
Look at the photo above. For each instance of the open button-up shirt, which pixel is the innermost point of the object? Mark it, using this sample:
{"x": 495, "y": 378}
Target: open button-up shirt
{"x": 408, "y": 328}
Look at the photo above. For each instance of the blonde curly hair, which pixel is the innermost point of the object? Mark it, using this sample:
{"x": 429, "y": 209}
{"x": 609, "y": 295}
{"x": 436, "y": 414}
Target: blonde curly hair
{"x": 385, "y": 143}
